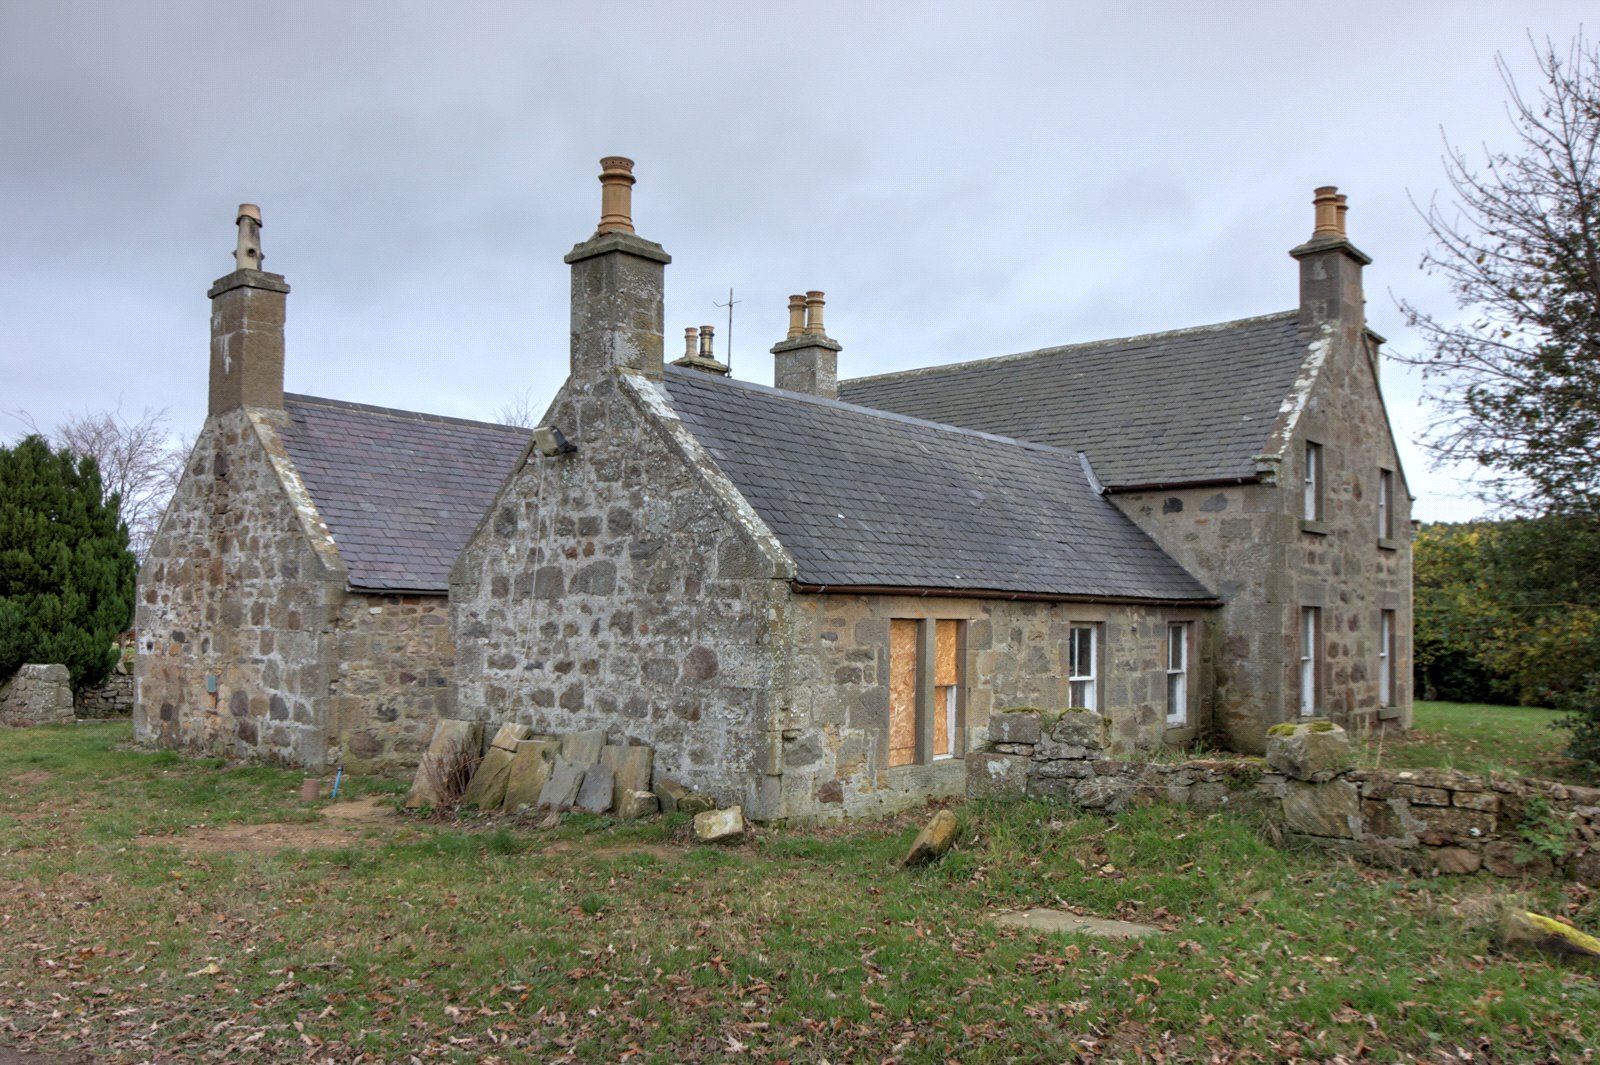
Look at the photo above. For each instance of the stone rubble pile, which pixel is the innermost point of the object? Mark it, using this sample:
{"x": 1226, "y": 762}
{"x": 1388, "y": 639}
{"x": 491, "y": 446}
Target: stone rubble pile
{"x": 521, "y": 771}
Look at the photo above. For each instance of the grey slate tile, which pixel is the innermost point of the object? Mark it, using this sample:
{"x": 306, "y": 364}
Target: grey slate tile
{"x": 1190, "y": 405}
{"x": 862, "y": 497}
{"x": 400, "y": 491}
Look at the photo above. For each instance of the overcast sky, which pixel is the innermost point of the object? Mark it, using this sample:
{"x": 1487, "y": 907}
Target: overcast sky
{"x": 963, "y": 180}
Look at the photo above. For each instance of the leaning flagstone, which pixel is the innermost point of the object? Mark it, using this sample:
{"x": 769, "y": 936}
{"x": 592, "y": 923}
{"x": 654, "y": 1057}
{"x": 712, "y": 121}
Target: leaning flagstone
{"x": 566, "y": 777}
{"x": 530, "y": 772}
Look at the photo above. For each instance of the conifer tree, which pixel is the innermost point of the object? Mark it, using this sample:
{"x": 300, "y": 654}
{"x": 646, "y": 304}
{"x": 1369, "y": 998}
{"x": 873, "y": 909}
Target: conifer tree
{"x": 66, "y": 574}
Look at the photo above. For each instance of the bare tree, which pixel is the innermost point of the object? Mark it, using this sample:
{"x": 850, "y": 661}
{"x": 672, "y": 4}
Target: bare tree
{"x": 1518, "y": 375}
{"x": 140, "y": 462}
{"x": 518, "y": 411}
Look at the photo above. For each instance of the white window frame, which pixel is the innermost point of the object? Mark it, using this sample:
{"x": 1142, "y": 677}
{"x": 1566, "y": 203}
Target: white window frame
{"x": 1178, "y": 673}
{"x": 1385, "y": 504}
{"x": 1311, "y": 503}
{"x": 1077, "y": 679}
{"x": 1310, "y": 646}
{"x": 1386, "y": 676}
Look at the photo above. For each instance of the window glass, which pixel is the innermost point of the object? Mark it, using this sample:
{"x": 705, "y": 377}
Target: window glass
{"x": 1178, "y": 673}
{"x": 1386, "y": 658}
{"x": 1082, "y": 672}
{"x": 1386, "y": 504}
{"x": 1310, "y": 622}
{"x": 1313, "y": 482}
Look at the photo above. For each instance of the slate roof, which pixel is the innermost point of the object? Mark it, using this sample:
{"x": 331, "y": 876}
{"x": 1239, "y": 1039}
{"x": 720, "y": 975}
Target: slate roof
{"x": 863, "y": 498}
{"x": 1165, "y": 408}
{"x": 401, "y": 492}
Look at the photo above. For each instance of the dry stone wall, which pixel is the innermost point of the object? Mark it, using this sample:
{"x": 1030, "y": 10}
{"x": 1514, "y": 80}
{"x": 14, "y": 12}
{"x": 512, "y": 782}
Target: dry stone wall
{"x": 1429, "y": 820}
{"x": 37, "y": 694}
{"x": 114, "y": 698}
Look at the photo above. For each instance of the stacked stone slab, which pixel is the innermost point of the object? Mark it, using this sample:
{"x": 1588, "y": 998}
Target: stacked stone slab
{"x": 452, "y": 753}
{"x": 579, "y": 770}
{"x": 37, "y": 695}
{"x": 1430, "y": 820}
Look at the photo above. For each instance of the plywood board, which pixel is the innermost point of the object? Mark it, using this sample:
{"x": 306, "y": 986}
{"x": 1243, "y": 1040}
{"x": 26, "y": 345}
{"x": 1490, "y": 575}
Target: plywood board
{"x": 902, "y": 691}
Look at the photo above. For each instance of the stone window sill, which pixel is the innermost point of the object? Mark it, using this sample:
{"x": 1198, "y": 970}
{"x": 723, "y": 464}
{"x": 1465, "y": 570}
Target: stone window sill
{"x": 1315, "y": 528}
{"x": 1386, "y": 544}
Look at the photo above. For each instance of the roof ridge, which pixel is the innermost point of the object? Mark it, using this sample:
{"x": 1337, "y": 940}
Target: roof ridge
{"x": 395, "y": 412}
{"x": 1061, "y": 349}
{"x": 701, "y": 377}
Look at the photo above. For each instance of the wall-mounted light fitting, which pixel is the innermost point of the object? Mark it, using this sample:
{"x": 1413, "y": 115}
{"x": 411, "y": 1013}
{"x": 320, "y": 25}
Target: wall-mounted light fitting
{"x": 550, "y": 441}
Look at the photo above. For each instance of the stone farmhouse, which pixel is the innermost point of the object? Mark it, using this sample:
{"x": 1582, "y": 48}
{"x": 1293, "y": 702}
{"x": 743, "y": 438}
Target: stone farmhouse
{"x": 809, "y": 598}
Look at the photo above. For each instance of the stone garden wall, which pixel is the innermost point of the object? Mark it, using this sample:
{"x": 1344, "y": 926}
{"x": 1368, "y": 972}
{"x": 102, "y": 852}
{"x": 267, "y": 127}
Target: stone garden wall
{"x": 1427, "y": 820}
{"x": 114, "y": 698}
{"x": 37, "y": 695}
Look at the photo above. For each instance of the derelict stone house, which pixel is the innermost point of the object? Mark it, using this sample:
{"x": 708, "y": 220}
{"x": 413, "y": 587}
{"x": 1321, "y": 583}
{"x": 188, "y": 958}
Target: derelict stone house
{"x": 292, "y": 605}
{"x": 810, "y": 598}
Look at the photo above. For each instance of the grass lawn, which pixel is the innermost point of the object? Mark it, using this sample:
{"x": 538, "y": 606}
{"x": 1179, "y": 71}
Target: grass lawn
{"x": 160, "y": 908}
{"x": 1477, "y": 738}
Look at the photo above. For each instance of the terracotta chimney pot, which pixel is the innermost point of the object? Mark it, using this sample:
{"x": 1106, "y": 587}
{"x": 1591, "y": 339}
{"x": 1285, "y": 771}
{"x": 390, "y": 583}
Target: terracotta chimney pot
{"x": 814, "y": 313}
{"x": 1341, "y": 208}
{"x": 1326, "y": 201}
{"x": 691, "y": 342}
{"x": 706, "y": 351}
{"x": 247, "y": 256}
{"x": 797, "y": 315}
{"x": 616, "y": 194}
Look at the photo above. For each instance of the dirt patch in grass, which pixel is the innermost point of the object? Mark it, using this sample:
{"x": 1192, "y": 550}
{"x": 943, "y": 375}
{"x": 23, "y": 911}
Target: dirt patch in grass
{"x": 32, "y": 777}
{"x": 342, "y": 824}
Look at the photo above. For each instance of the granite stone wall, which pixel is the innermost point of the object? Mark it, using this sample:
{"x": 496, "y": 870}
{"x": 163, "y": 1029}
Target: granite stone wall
{"x": 1251, "y": 545}
{"x": 617, "y": 588}
{"x": 393, "y": 679}
{"x": 235, "y": 605}
{"x": 1013, "y": 653}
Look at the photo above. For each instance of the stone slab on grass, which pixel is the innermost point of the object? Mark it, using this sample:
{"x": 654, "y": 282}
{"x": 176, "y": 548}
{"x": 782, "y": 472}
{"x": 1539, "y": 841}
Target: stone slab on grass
{"x": 454, "y": 744}
{"x": 669, "y": 792}
{"x": 530, "y": 772}
{"x": 632, "y": 805}
{"x": 719, "y": 826}
{"x": 936, "y": 837}
{"x": 566, "y": 777}
{"x": 1526, "y": 932}
{"x": 1047, "y": 920}
{"x": 583, "y": 747}
{"x": 597, "y": 790}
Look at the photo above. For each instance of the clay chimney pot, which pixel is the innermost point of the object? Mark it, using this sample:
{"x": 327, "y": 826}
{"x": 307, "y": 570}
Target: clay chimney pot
{"x": 797, "y": 316}
{"x": 616, "y": 194}
{"x": 691, "y": 342}
{"x": 706, "y": 351}
{"x": 814, "y": 303}
{"x": 1326, "y": 202}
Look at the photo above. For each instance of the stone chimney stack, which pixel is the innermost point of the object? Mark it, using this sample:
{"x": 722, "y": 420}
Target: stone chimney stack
{"x": 807, "y": 360}
{"x": 698, "y": 353}
{"x": 247, "y": 316}
{"x": 1330, "y": 268}
{"x": 617, "y": 285}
